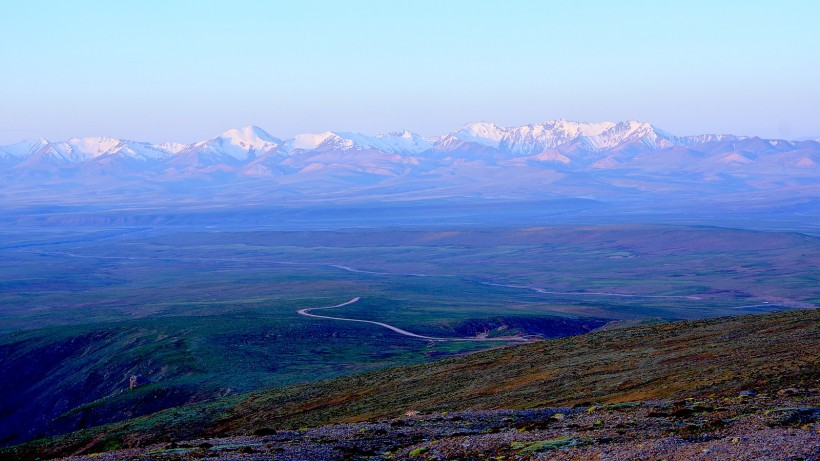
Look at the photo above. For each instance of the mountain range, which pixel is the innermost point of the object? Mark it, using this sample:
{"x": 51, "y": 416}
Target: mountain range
{"x": 597, "y": 161}
{"x": 253, "y": 151}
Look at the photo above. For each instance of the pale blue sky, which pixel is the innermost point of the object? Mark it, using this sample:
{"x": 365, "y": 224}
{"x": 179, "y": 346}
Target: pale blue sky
{"x": 187, "y": 70}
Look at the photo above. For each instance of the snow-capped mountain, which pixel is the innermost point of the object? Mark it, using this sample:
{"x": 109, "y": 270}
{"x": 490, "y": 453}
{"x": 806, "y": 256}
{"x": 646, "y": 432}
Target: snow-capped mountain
{"x": 476, "y": 153}
{"x": 401, "y": 142}
{"x": 241, "y": 143}
{"x": 24, "y": 149}
{"x": 535, "y": 139}
{"x": 230, "y": 148}
{"x": 79, "y": 150}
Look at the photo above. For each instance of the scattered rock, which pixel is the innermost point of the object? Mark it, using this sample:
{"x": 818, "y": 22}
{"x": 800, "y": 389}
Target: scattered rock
{"x": 137, "y": 381}
{"x": 526, "y": 426}
{"x": 744, "y": 431}
{"x": 797, "y": 416}
{"x": 683, "y": 412}
{"x": 715, "y": 423}
{"x": 690, "y": 429}
{"x": 262, "y": 431}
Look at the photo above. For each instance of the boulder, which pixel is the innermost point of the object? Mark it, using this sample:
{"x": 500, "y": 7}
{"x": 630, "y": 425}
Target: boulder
{"x": 137, "y": 381}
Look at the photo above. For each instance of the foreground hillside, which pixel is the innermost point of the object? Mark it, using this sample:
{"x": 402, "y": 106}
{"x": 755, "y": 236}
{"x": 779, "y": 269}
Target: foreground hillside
{"x": 689, "y": 374}
{"x": 778, "y": 427}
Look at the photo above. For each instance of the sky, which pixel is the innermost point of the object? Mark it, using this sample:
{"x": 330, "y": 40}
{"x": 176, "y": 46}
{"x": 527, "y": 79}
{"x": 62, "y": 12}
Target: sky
{"x": 175, "y": 70}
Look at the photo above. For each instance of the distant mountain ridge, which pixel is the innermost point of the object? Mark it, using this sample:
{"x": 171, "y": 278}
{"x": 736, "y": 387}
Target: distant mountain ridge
{"x": 245, "y": 143}
{"x": 558, "y": 156}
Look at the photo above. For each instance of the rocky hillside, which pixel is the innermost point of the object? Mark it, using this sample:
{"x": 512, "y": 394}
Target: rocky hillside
{"x": 730, "y": 428}
{"x": 693, "y": 377}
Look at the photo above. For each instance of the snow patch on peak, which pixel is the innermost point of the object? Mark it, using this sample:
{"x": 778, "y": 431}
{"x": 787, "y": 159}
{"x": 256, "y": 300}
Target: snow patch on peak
{"x": 403, "y": 141}
{"x": 705, "y": 138}
{"x": 629, "y": 128}
{"x": 90, "y": 148}
{"x": 398, "y": 134}
{"x": 240, "y": 143}
{"x": 93, "y": 146}
{"x": 310, "y": 141}
{"x": 77, "y": 150}
{"x": 576, "y": 128}
{"x": 24, "y": 149}
{"x": 249, "y": 135}
{"x": 484, "y": 133}
{"x": 533, "y": 139}
{"x": 249, "y": 138}
{"x": 398, "y": 142}
{"x": 171, "y": 147}
{"x": 619, "y": 133}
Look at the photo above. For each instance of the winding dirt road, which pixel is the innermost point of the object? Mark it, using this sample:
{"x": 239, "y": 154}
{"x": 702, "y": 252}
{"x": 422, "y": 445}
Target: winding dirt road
{"x": 306, "y": 313}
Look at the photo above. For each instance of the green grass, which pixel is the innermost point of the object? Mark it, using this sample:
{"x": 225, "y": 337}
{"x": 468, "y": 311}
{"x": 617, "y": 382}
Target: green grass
{"x": 182, "y": 274}
{"x": 543, "y": 446}
{"x": 207, "y": 313}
